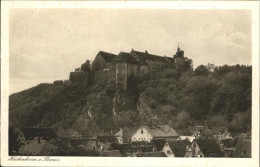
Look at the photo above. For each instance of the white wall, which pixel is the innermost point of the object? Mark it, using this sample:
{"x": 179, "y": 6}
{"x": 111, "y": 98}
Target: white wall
{"x": 139, "y": 136}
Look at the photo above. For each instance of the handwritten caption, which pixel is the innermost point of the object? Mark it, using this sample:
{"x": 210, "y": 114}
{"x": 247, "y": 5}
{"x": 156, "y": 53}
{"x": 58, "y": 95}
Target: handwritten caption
{"x": 29, "y": 158}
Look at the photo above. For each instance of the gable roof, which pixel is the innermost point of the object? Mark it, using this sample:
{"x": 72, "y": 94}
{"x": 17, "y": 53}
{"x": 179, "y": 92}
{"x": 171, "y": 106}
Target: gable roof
{"x": 107, "y": 56}
{"x": 126, "y": 132}
{"x": 243, "y": 148}
{"x": 178, "y": 147}
{"x": 111, "y": 153}
{"x": 209, "y": 147}
{"x": 32, "y": 147}
{"x": 163, "y": 131}
{"x": 153, "y": 154}
{"x": 159, "y": 143}
{"x": 146, "y": 56}
{"x": 142, "y": 146}
{"x": 124, "y": 57}
{"x": 230, "y": 142}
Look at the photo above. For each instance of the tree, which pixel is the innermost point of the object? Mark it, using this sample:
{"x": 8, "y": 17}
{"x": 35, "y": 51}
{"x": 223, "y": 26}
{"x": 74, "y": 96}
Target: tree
{"x": 202, "y": 70}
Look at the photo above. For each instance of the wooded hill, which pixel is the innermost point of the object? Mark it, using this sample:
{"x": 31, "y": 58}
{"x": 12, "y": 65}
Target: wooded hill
{"x": 179, "y": 96}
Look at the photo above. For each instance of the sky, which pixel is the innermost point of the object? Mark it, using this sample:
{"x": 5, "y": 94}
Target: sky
{"x": 47, "y": 44}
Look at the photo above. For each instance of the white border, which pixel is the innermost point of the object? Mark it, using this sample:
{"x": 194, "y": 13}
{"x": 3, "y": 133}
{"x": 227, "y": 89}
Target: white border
{"x": 97, "y": 161}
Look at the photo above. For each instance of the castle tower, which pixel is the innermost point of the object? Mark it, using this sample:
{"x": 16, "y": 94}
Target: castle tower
{"x": 179, "y": 56}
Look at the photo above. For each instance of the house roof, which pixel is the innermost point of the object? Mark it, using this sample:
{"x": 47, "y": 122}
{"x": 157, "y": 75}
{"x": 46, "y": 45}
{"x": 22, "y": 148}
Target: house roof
{"x": 162, "y": 131}
{"x": 153, "y": 154}
{"x": 178, "y": 147}
{"x": 111, "y": 153}
{"x": 243, "y": 148}
{"x": 230, "y": 142}
{"x": 124, "y": 57}
{"x": 31, "y": 133}
{"x": 146, "y": 56}
{"x": 159, "y": 143}
{"x": 218, "y": 129}
{"x": 106, "y": 146}
{"x": 120, "y": 147}
{"x": 107, "y": 56}
{"x": 143, "y": 146}
{"x": 126, "y": 132}
{"x": 32, "y": 147}
{"x": 209, "y": 147}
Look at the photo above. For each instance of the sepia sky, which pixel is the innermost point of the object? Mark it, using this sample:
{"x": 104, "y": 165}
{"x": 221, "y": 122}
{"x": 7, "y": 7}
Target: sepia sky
{"x": 46, "y": 44}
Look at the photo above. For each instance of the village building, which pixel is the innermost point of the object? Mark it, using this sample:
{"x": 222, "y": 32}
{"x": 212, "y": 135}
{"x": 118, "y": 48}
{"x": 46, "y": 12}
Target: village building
{"x": 38, "y": 146}
{"x": 145, "y": 133}
{"x": 110, "y": 153}
{"x": 118, "y": 69}
{"x": 153, "y": 154}
{"x": 188, "y": 138}
{"x": 228, "y": 146}
{"x": 204, "y": 148}
{"x": 45, "y": 133}
{"x": 163, "y": 146}
{"x": 221, "y": 133}
{"x": 124, "y": 134}
{"x": 243, "y": 148}
{"x": 179, "y": 147}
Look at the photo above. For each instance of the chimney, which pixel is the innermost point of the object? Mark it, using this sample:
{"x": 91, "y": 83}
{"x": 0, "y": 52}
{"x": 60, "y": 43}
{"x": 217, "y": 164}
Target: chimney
{"x": 39, "y": 140}
{"x": 146, "y": 51}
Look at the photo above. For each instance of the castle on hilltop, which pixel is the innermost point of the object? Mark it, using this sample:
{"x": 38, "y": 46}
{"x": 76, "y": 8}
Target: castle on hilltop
{"x": 118, "y": 68}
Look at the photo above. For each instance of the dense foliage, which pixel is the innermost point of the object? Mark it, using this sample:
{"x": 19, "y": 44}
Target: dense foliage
{"x": 178, "y": 95}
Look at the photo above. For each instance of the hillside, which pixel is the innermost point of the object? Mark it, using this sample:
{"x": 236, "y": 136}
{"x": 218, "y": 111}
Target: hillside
{"x": 208, "y": 95}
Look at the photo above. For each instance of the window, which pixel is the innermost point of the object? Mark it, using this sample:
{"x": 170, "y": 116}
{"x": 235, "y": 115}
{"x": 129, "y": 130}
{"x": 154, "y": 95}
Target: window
{"x": 142, "y": 131}
{"x": 169, "y": 152}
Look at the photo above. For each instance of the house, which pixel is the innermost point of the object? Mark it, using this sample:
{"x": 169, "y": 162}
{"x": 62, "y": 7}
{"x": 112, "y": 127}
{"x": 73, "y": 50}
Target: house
{"x": 243, "y": 148}
{"x": 124, "y": 134}
{"x": 38, "y": 147}
{"x": 197, "y": 130}
{"x": 228, "y": 146}
{"x": 106, "y": 137}
{"x": 16, "y": 140}
{"x": 221, "y": 133}
{"x": 145, "y": 133}
{"x": 154, "y": 154}
{"x": 45, "y": 133}
{"x": 137, "y": 148}
{"x": 87, "y": 144}
{"x": 111, "y": 153}
{"x": 163, "y": 146}
{"x": 123, "y": 148}
{"x": 189, "y": 138}
{"x": 204, "y": 148}
{"x": 179, "y": 147}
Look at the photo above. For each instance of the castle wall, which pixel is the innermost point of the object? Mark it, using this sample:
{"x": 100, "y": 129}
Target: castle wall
{"x": 100, "y": 63}
{"x": 121, "y": 75}
{"x": 101, "y": 75}
{"x": 143, "y": 69}
{"x": 80, "y": 77}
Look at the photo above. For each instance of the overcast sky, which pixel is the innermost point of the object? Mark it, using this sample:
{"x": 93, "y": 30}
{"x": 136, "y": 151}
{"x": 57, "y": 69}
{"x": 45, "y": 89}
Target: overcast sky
{"x": 46, "y": 44}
